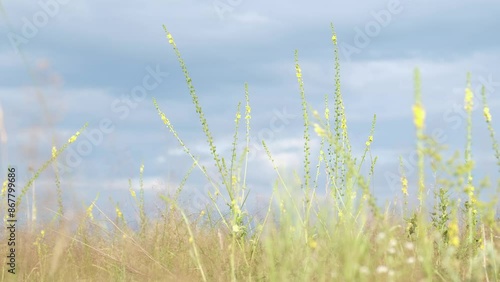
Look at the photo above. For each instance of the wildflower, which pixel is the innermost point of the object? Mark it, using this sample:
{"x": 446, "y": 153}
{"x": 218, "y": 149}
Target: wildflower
{"x": 393, "y": 242}
{"x": 382, "y": 269}
{"x": 404, "y": 183}
{"x": 344, "y": 124}
{"x": 316, "y": 114}
{"x": 334, "y": 39}
{"x": 327, "y": 113}
{"x": 54, "y": 152}
{"x": 298, "y": 72}
{"x": 236, "y": 228}
{"x": 453, "y": 232}
{"x": 132, "y": 193}
{"x": 170, "y": 38}
{"x": 469, "y": 189}
{"x": 364, "y": 269}
{"x": 164, "y": 119}
{"x": 73, "y": 138}
{"x": 469, "y": 96}
{"x": 409, "y": 246}
{"x": 370, "y": 140}
{"x": 118, "y": 212}
{"x": 487, "y": 115}
{"x": 319, "y": 130}
{"x": 313, "y": 244}
{"x": 89, "y": 211}
{"x": 247, "y": 110}
{"x": 381, "y": 236}
{"x": 418, "y": 115}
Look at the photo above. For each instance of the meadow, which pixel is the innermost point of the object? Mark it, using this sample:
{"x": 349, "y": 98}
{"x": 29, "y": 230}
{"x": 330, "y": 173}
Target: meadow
{"x": 341, "y": 235}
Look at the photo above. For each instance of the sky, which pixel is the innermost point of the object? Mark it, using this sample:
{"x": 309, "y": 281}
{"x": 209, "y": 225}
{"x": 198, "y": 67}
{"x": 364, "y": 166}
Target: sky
{"x": 66, "y": 63}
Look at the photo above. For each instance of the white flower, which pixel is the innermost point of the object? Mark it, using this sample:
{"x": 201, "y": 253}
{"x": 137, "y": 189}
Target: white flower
{"x": 409, "y": 246}
{"x": 382, "y": 269}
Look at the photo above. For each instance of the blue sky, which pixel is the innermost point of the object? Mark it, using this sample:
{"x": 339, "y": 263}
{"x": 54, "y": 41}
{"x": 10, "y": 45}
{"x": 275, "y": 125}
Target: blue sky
{"x": 64, "y": 63}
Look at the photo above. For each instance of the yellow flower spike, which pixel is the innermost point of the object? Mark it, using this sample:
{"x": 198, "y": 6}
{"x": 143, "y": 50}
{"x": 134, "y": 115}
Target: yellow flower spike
{"x": 370, "y": 140}
{"x": 469, "y": 99}
{"x": 487, "y": 115}
{"x": 54, "y": 152}
{"x": 334, "y": 39}
{"x": 453, "y": 233}
{"x": 248, "y": 110}
{"x": 89, "y": 211}
{"x": 418, "y": 115}
{"x": 118, "y": 212}
{"x": 164, "y": 119}
{"x": 170, "y": 38}
{"x": 73, "y": 138}
{"x": 344, "y": 123}
{"x": 327, "y": 113}
{"x": 404, "y": 183}
{"x": 132, "y": 193}
{"x": 141, "y": 170}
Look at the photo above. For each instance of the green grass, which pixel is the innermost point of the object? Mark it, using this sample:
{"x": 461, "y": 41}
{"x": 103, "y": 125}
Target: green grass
{"x": 342, "y": 236}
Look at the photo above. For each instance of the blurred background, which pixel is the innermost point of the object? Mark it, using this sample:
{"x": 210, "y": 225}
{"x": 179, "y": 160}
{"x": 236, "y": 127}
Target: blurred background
{"x": 67, "y": 63}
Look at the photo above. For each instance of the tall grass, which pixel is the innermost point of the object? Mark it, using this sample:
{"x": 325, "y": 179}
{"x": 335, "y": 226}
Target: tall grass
{"x": 341, "y": 236}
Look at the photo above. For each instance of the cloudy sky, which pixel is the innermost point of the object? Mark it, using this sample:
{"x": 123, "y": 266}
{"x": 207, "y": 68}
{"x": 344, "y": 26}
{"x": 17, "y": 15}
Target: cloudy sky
{"x": 65, "y": 63}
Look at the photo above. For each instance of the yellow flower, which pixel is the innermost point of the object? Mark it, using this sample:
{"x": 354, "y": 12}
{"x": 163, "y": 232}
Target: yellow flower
{"x": 54, "y": 152}
{"x": 118, "y": 212}
{"x": 73, "y": 138}
{"x": 344, "y": 123}
{"x": 404, "y": 183}
{"x": 298, "y": 72}
{"x": 453, "y": 232}
{"x": 316, "y": 114}
{"x": 327, "y": 113}
{"x": 487, "y": 115}
{"x": 313, "y": 244}
{"x": 418, "y": 115}
{"x": 89, "y": 211}
{"x": 141, "y": 170}
{"x": 248, "y": 111}
{"x": 334, "y": 39}
{"x": 164, "y": 119}
{"x": 469, "y": 96}
{"x": 370, "y": 140}
{"x": 319, "y": 130}
{"x": 170, "y": 38}
{"x": 132, "y": 193}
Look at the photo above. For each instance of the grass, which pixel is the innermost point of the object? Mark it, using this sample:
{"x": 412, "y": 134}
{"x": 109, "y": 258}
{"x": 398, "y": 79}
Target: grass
{"x": 341, "y": 236}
